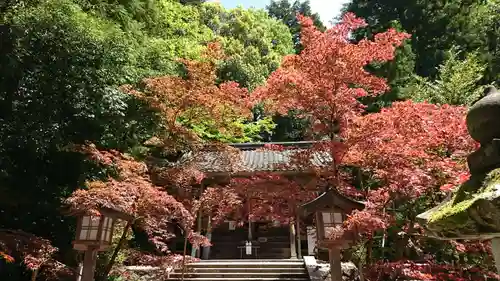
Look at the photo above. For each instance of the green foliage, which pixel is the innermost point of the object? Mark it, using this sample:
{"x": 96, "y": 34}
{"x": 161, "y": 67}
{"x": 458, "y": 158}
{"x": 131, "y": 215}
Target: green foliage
{"x": 457, "y": 82}
{"x": 253, "y": 42}
{"x": 164, "y": 30}
{"x": 286, "y": 12}
{"x": 251, "y": 131}
{"x": 290, "y": 127}
{"x": 436, "y": 26}
{"x": 398, "y": 72}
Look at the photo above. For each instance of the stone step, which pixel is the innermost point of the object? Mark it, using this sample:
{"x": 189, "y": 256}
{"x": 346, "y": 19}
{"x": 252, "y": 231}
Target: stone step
{"x": 268, "y": 242}
{"x": 240, "y": 274}
{"x": 256, "y": 263}
{"x": 252, "y": 270}
{"x": 241, "y": 279}
{"x": 244, "y": 270}
{"x": 256, "y": 241}
{"x": 250, "y": 261}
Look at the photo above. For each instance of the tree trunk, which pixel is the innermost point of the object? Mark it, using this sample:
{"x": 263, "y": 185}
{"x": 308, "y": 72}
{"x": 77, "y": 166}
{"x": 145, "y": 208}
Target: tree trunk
{"x": 196, "y": 252}
{"x": 34, "y": 274}
{"x": 369, "y": 250}
{"x": 299, "y": 239}
{"x": 112, "y": 260}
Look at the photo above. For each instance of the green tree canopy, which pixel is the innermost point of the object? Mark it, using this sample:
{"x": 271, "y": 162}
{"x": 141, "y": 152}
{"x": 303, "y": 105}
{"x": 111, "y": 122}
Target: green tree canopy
{"x": 435, "y": 26}
{"x": 287, "y": 12}
{"x": 254, "y": 42}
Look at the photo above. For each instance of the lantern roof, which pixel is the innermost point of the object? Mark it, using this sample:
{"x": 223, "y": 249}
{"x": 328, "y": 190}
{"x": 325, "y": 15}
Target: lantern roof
{"x": 329, "y": 200}
{"x": 110, "y": 212}
{"x": 115, "y": 213}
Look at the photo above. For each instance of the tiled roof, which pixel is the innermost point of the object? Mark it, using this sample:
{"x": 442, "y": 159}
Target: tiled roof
{"x": 253, "y": 158}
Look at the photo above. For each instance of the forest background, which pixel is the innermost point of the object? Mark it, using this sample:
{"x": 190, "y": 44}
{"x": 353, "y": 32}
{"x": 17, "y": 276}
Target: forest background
{"x": 62, "y": 63}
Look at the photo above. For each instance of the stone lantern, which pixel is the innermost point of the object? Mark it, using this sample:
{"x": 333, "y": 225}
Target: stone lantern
{"x": 330, "y": 210}
{"x": 94, "y": 233}
{"x": 472, "y": 212}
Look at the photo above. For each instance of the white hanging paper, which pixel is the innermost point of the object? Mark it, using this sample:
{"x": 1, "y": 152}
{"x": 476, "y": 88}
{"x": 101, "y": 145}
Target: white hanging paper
{"x": 232, "y": 225}
{"x": 248, "y": 248}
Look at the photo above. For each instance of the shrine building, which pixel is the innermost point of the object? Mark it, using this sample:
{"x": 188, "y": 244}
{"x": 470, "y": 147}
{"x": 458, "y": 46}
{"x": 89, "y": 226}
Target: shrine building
{"x": 266, "y": 239}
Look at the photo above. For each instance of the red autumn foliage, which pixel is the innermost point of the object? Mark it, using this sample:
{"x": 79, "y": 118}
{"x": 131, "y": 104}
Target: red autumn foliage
{"x": 36, "y": 253}
{"x": 154, "y": 210}
{"x": 217, "y": 202}
{"x": 429, "y": 271}
{"x": 410, "y": 146}
{"x": 410, "y": 149}
{"x": 181, "y": 102}
{"x": 319, "y": 80}
{"x": 195, "y": 99}
{"x": 269, "y": 196}
{"x": 133, "y": 193}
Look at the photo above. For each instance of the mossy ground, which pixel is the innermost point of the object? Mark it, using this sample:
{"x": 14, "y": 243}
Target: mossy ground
{"x": 475, "y": 208}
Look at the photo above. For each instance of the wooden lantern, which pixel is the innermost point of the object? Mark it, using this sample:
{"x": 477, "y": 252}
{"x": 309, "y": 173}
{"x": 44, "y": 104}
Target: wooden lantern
{"x": 331, "y": 209}
{"x": 94, "y": 232}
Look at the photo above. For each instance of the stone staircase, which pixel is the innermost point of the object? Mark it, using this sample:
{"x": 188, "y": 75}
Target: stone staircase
{"x": 244, "y": 270}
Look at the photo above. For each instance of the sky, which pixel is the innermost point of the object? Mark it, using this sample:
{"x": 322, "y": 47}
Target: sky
{"x": 327, "y": 9}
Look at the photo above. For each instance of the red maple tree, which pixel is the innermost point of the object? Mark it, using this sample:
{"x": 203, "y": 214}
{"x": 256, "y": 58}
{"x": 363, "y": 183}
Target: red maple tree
{"x": 37, "y": 254}
{"x": 197, "y": 99}
{"x": 325, "y": 80}
{"x": 411, "y": 149}
{"x": 408, "y": 151}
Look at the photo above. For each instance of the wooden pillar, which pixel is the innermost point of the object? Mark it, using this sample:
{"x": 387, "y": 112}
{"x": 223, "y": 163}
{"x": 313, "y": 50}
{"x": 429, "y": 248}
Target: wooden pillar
{"x": 299, "y": 244}
{"x": 293, "y": 249}
{"x": 206, "y": 250}
{"x": 196, "y": 252}
{"x": 335, "y": 265}
{"x": 249, "y": 229}
{"x": 249, "y": 221}
{"x": 89, "y": 264}
{"x": 495, "y": 249}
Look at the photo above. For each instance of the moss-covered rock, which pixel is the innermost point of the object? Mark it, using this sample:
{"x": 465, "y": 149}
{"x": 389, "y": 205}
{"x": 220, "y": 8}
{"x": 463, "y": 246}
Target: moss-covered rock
{"x": 474, "y": 209}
